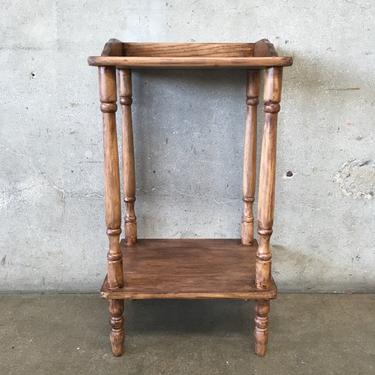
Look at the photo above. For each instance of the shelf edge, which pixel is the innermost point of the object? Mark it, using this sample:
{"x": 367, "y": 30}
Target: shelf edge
{"x": 190, "y": 62}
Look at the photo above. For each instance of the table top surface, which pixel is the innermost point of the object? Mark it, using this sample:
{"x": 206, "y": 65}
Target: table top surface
{"x": 257, "y": 55}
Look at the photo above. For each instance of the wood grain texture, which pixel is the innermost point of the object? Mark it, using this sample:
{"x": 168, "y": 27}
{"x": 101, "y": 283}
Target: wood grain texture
{"x": 189, "y": 62}
{"x": 128, "y": 164}
{"x": 189, "y": 269}
{"x": 112, "y": 199}
{"x": 262, "y": 309}
{"x": 266, "y": 199}
{"x": 188, "y": 49}
{"x": 263, "y": 48}
{"x": 249, "y": 160}
{"x": 117, "y": 335}
{"x": 190, "y": 55}
{"x": 113, "y": 48}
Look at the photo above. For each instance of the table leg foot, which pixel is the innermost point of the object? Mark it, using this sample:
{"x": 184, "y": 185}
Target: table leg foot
{"x": 262, "y": 309}
{"x": 117, "y": 335}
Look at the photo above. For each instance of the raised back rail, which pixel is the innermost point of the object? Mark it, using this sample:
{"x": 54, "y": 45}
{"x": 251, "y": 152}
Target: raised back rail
{"x": 189, "y": 55}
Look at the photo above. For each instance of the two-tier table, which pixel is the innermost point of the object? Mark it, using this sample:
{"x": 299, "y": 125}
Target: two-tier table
{"x": 189, "y": 268}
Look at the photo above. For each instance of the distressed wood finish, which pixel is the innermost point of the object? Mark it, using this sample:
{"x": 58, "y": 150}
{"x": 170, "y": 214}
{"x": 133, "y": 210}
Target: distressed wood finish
{"x": 187, "y": 268}
{"x": 189, "y": 62}
{"x": 112, "y": 194}
{"x": 250, "y": 154}
{"x": 262, "y": 309}
{"x": 188, "y": 49}
{"x": 128, "y": 165}
{"x": 108, "y": 97}
{"x": 266, "y": 200}
{"x": 117, "y": 335}
{"x": 264, "y": 47}
{"x": 190, "y": 55}
{"x": 113, "y": 48}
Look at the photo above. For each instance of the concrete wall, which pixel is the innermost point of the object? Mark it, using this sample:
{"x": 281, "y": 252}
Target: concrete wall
{"x": 189, "y": 134}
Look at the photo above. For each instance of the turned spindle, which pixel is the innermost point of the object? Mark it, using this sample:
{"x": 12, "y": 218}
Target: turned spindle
{"x": 117, "y": 335}
{"x": 262, "y": 309}
{"x": 249, "y": 160}
{"x": 266, "y": 199}
{"x": 112, "y": 197}
{"x": 128, "y": 166}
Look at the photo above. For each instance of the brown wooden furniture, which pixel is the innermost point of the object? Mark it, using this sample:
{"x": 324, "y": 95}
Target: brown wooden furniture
{"x": 189, "y": 268}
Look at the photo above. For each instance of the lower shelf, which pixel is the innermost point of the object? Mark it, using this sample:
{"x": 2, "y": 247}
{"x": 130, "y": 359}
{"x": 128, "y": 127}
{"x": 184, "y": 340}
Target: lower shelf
{"x": 189, "y": 269}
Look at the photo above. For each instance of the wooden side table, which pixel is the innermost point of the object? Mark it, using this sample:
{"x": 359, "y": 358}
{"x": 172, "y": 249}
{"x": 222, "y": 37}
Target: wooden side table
{"x": 189, "y": 268}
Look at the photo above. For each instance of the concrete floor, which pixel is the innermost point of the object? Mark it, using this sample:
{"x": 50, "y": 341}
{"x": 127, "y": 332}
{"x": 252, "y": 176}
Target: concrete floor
{"x": 67, "y": 334}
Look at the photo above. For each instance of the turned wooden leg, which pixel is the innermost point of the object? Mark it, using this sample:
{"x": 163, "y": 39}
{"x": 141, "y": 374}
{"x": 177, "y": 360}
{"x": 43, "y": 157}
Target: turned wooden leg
{"x": 266, "y": 202}
{"x": 262, "y": 309}
{"x": 249, "y": 160}
{"x": 112, "y": 198}
{"x": 266, "y": 199}
{"x": 117, "y": 335}
{"x": 128, "y": 165}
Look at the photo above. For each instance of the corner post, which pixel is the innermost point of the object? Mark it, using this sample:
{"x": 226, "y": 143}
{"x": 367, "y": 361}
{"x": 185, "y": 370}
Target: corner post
{"x": 112, "y": 199}
{"x": 266, "y": 199}
{"x": 249, "y": 158}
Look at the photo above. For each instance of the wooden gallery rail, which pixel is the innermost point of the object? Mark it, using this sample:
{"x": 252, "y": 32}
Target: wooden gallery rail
{"x": 189, "y": 268}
